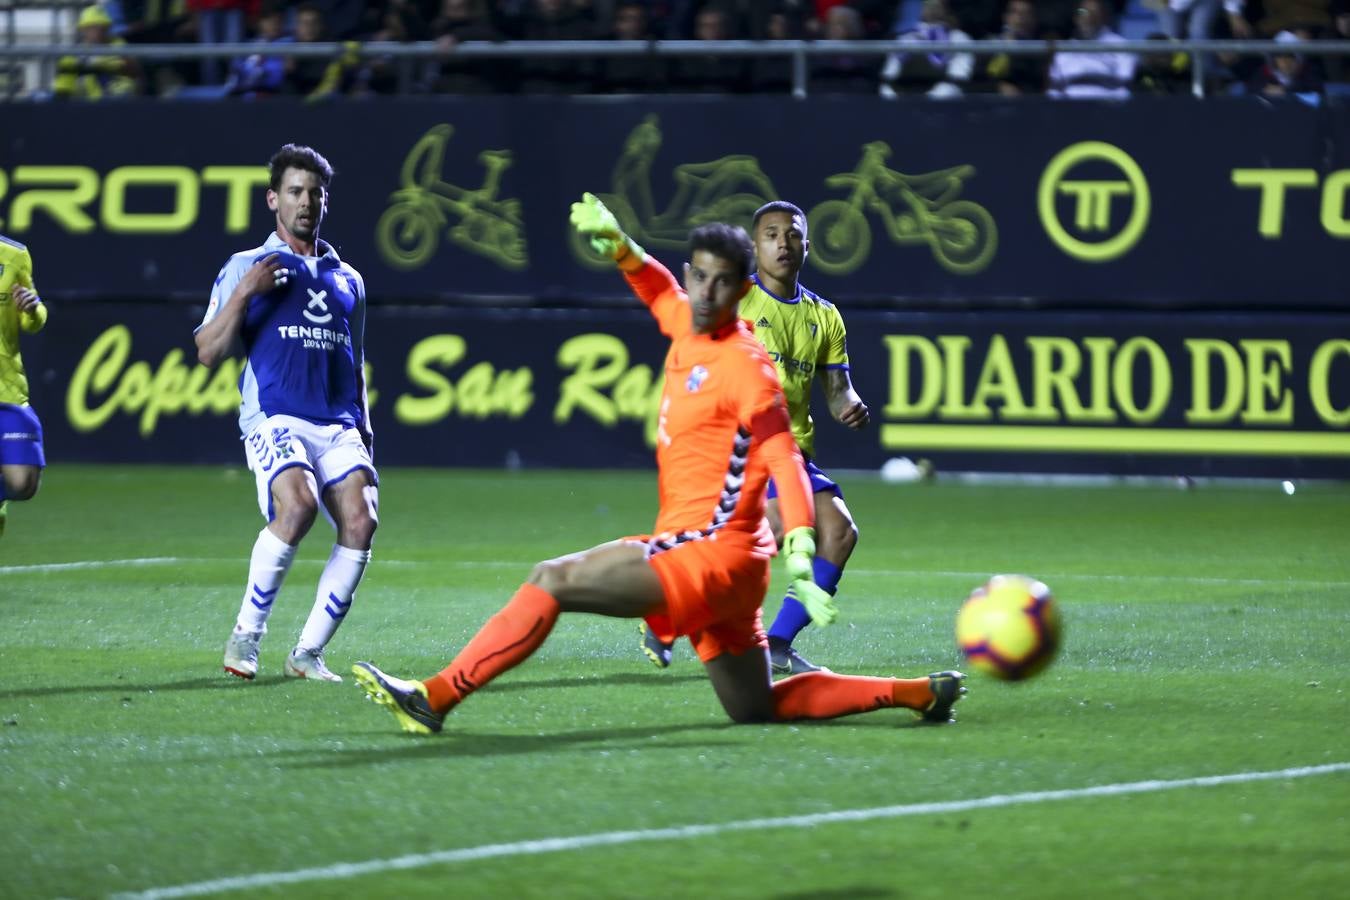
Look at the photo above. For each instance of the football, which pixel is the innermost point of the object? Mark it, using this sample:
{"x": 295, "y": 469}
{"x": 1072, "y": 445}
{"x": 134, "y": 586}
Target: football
{"x": 1009, "y": 627}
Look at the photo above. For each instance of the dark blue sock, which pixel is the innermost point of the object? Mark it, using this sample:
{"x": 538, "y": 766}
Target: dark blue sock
{"x": 792, "y": 618}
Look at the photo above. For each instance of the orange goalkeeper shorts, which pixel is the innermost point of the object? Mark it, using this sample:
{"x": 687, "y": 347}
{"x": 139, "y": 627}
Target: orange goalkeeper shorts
{"x": 714, "y": 588}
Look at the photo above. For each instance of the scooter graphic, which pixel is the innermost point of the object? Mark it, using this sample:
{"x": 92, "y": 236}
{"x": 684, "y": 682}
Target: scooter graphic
{"x": 915, "y": 209}
{"x": 409, "y": 231}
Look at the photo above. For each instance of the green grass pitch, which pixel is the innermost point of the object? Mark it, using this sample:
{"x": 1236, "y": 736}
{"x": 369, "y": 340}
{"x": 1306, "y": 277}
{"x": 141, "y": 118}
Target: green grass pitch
{"x": 1206, "y": 635}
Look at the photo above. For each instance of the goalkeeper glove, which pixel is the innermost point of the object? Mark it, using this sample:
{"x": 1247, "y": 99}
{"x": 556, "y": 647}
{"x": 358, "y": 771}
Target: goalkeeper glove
{"x": 799, "y": 548}
{"x": 593, "y": 219}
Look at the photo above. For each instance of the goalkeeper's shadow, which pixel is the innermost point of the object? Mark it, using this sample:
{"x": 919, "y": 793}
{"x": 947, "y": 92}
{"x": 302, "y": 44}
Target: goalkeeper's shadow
{"x": 469, "y": 743}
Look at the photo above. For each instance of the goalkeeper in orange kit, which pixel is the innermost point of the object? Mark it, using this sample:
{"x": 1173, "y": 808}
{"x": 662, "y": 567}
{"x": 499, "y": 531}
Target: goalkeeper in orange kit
{"x": 723, "y": 431}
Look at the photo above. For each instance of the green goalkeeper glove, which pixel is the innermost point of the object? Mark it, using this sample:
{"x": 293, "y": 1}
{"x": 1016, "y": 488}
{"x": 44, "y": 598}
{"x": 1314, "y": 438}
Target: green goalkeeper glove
{"x": 799, "y": 548}
{"x": 594, "y": 220}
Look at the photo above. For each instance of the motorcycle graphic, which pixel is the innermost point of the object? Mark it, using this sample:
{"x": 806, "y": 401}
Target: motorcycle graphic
{"x": 408, "y": 232}
{"x": 915, "y": 209}
{"x": 727, "y": 189}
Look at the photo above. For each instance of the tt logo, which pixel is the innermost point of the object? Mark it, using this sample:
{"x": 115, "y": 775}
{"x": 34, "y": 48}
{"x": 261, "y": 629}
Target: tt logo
{"x": 1092, "y": 202}
{"x": 316, "y": 300}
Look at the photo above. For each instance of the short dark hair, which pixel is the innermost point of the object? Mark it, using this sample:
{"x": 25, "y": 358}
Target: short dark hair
{"x": 728, "y": 242}
{"x": 298, "y": 156}
{"x": 782, "y": 206}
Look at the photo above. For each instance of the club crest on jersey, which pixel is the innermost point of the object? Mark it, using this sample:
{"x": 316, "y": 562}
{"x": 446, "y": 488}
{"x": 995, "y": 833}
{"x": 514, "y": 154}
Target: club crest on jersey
{"x": 316, "y": 299}
{"x": 697, "y": 375}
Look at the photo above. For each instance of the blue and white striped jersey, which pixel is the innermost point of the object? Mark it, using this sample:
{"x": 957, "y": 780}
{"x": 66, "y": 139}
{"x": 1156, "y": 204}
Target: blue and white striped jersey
{"x": 305, "y": 342}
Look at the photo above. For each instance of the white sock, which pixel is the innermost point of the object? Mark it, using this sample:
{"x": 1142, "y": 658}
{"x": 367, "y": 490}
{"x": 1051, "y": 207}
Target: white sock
{"x": 337, "y": 590}
{"x": 267, "y": 568}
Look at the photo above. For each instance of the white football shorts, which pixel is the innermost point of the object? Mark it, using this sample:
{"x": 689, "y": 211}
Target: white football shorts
{"x": 328, "y": 452}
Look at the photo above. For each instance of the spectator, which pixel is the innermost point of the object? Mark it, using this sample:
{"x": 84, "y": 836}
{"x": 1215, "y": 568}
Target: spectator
{"x": 468, "y": 20}
{"x": 402, "y": 23}
{"x": 1287, "y": 73}
{"x": 1339, "y": 66}
{"x": 258, "y": 74}
{"x": 95, "y": 77}
{"x": 556, "y": 20}
{"x": 845, "y": 74}
{"x": 1013, "y": 76}
{"x": 1199, "y": 20}
{"x": 711, "y": 74}
{"x": 160, "y": 22}
{"x": 315, "y": 78}
{"x": 773, "y": 74}
{"x": 219, "y": 22}
{"x": 1270, "y": 17}
{"x": 1165, "y": 71}
{"x": 1194, "y": 19}
{"x": 632, "y": 74}
{"x": 1095, "y": 75}
{"x": 936, "y": 74}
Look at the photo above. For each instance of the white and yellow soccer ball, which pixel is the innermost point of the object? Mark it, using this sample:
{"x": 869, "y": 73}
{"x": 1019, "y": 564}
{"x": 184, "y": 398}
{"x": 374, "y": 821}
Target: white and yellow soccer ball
{"x": 1009, "y": 627}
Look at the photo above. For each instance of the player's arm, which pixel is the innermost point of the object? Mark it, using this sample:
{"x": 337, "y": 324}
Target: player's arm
{"x": 32, "y": 311}
{"x": 229, "y": 302}
{"x": 652, "y": 282}
{"x": 358, "y": 327}
{"x": 846, "y": 406}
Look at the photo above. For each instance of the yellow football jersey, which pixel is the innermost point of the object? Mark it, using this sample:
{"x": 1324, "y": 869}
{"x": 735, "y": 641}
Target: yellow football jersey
{"x": 16, "y": 268}
{"x": 803, "y": 335}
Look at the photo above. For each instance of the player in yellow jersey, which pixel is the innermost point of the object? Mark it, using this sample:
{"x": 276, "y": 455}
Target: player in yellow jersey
{"x": 21, "y": 456}
{"x": 805, "y": 336}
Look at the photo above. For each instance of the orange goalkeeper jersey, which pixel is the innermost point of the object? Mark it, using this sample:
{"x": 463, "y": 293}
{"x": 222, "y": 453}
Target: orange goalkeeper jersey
{"x": 723, "y": 426}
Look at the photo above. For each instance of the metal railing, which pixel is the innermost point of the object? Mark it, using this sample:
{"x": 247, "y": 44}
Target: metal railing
{"x": 799, "y": 52}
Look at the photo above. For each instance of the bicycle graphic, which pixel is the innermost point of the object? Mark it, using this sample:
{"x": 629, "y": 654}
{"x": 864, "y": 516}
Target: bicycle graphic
{"x": 962, "y": 234}
{"x": 727, "y": 189}
{"x": 407, "y": 233}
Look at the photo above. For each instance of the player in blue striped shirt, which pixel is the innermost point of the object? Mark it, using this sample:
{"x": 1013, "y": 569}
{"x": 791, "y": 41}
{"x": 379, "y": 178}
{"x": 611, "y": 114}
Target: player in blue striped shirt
{"x": 299, "y": 312}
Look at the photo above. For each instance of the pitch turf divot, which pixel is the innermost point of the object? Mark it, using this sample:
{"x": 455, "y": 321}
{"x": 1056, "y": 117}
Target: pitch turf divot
{"x": 610, "y": 838}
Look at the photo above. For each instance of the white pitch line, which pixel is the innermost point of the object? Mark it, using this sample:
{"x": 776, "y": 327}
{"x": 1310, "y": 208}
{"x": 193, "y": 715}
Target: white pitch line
{"x": 93, "y": 564}
{"x": 613, "y": 838}
{"x": 180, "y": 560}
{"x": 508, "y": 564}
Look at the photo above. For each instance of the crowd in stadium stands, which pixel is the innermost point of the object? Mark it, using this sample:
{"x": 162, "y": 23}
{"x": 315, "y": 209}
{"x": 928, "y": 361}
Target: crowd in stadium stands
{"x": 449, "y": 22}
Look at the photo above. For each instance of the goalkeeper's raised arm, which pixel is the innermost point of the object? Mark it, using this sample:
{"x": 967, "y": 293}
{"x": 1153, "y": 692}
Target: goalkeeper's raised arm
{"x": 652, "y": 282}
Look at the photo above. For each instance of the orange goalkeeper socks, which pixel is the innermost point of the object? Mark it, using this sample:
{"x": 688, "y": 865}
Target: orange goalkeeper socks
{"x": 825, "y": 695}
{"x": 506, "y": 640}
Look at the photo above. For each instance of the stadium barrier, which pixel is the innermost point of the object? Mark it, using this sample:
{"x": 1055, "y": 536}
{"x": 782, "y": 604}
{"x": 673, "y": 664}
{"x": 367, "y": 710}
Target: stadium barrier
{"x": 407, "y": 55}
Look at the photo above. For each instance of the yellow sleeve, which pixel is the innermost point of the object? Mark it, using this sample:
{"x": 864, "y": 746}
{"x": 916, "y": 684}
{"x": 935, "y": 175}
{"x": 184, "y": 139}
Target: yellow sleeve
{"x": 834, "y": 348}
{"x": 32, "y": 321}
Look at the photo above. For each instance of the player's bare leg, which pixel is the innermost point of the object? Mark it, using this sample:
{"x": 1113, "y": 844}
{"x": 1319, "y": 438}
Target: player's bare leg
{"x": 612, "y": 579}
{"x": 353, "y": 504}
{"x": 17, "y": 482}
